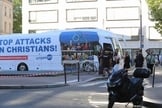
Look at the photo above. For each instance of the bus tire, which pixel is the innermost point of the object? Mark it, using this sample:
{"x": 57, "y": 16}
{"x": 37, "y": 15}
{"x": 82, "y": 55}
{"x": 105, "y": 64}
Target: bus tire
{"x": 22, "y": 67}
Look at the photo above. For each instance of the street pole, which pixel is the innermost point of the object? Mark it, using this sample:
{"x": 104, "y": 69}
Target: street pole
{"x": 140, "y": 32}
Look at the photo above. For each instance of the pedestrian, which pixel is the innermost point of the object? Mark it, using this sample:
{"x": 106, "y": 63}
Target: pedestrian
{"x": 85, "y": 46}
{"x": 160, "y": 59}
{"x": 115, "y": 57}
{"x": 139, "y": 59}
{"x": 101, "y": 65}
{"x": 156, "y": 60}
{"x": 126, "y": 61}
{"x": 116, "y": 66}
{"x": 150, "y": 60}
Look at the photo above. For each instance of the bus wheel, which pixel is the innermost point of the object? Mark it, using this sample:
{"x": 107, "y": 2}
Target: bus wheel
{"x": 22, "y": 67}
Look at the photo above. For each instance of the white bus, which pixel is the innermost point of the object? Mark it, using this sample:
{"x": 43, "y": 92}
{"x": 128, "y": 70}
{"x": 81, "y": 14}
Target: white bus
{"x": 43, "y": 51}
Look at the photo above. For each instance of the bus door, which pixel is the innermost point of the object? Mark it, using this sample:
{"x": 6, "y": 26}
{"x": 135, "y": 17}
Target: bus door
{"x": 107, "y": 55}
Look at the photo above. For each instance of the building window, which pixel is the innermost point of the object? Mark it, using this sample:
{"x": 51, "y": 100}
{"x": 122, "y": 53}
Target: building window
{"x": 5, "y": 14}
{"x": 10, "y": 31}
{"x": 10, "y": 1}
{"x": 40, "y": 30}
{"x": 153, "y": 34}
{"x": 5, "y": 26}
{"x": 122, "y": 13}
{"x": 131, "y": 33}
{"x": 10, "y": 13}
{"x": 76, "y": 15}
{"x": 42, "y": 1}
{"x": 74, "y": 1}
{"x": 149, "y": 15}
{"x": 32, "y": 31}
{"x": 43, "y": 16}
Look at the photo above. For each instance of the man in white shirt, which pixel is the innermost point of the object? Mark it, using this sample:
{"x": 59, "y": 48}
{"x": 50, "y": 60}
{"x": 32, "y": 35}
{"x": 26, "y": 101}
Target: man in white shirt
{"x": 116, "y": 66}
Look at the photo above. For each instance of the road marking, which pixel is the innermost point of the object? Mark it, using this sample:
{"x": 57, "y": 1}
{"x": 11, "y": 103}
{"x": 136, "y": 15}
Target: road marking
{"x": 97, "y": 103}
{"x": 69, "y": 81}
{"x": 99, "y": 100}
{"x": 93, "y": 83}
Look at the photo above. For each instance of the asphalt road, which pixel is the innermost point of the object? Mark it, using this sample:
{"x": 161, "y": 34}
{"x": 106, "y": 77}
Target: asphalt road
{"x": 76, "y": 95}
{"x": 79, "y": 95}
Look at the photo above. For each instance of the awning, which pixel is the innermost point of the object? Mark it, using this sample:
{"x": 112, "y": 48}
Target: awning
{"x": 73, "y": 37}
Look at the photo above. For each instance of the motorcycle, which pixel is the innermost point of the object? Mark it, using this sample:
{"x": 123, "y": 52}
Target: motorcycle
{"x": 123, "y": 88}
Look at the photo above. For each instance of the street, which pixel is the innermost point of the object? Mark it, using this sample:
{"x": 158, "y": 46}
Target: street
{"x": 88, "y": 93}
{"x": 81, "y": 95}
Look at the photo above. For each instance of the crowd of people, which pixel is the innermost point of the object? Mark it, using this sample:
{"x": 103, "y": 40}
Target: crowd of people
{"x": 67, "y": 50}
{"x": 112, "y": 59}
{"x": 151, "y": 60}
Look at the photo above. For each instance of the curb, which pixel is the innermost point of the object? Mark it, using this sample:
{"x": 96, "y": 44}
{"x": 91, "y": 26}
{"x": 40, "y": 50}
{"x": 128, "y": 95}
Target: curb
{"x": 37, "y": 86}
{"x": 32, "y": 86}
{"x": 152, "y": 101}
{"x": 152, "y": 105}
{"x": 48, "y": 74}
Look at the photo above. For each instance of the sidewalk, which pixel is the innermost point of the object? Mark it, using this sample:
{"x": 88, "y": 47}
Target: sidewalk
{"x": 152, "y": 93}
{"x": 10, "y": 81}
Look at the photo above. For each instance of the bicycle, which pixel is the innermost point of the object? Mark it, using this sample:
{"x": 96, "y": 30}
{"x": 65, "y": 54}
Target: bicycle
{"x": 89, "y": 66}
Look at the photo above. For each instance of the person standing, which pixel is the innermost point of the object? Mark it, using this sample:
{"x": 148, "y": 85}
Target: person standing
{"x": 101, "y": 66}
{"x": 115, "y": 57}
{"x": 150, "y": 60}
{"x": 160, "y": 59}
{"x": 126, "y": 61}
{"x": 116, "y": 66}
{"x": 139, "y": 59}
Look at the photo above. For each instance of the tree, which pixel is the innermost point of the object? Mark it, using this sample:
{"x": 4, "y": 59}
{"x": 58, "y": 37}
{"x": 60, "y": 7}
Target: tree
{"x": 17, "y": 16}
{"x": 156, "y": 13}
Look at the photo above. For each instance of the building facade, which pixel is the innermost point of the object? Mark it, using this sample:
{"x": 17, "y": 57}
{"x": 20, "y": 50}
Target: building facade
{"x": 126, "y": 17}
{"x": 6, "y": 17}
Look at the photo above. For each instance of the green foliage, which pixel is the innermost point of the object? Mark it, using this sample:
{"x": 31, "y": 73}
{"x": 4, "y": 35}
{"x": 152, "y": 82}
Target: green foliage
{"x": 17, "y": 16}
{"x": 156, "y": 13}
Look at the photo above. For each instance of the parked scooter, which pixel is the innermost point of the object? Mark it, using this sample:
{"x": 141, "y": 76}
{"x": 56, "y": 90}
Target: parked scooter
{"x": 122, "y": 88}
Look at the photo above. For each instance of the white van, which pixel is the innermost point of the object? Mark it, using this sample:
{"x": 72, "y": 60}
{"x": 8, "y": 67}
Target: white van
{"x": 43, "y": 51}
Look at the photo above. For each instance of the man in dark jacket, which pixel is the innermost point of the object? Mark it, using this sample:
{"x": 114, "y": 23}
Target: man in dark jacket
{"x": 139, "y": 59}
{"x": 126, "y": 61}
